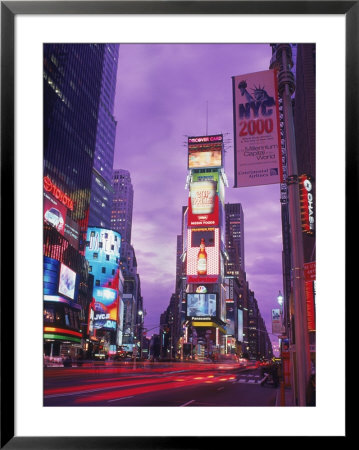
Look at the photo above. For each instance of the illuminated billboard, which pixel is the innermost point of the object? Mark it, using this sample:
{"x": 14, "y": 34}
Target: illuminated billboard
{"x": 106, "y": 308}
{"x": 72, "y": 232}
{"x": 202, "y": 264}
{"x": 203, "y": 204}
{"x": 310, "y": 300}
{"x": 240, "y": 325}
{"x": 276, "y": 321}
{"x": 67, "y": 282}
{"x": 306, "y": 204}
{"x": 103, "y": 256}
{"x": 51, "y": 276}
{"x": 230, "y": 319}
{"x": 201, "y": 305}
{"x": 257, "y": 140}
{"x": 54, "y": 213}
{"x": 57, "y": 193}
{"x": 103, "y": 244}
{"x": 210, "y": 175}
{"x": 205, "y": 151}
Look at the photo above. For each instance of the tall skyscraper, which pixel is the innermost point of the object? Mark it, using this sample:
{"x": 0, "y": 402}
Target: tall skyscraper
{"x": 101, "y": 191}
{"x": 234, "y": 223}
{"x": 79, "y": 129}
{"x": 122, "y": 204}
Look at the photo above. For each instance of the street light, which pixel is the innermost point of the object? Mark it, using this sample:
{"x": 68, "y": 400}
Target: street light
{"x": 134, "y": 352}
{"x": 280, "y": 300}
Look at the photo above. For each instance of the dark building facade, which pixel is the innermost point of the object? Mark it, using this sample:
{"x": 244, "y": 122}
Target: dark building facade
{"x": 122, "y": 203}
{"x": 74, "y": 104}
{"x": 305, "y": 136}
{"x": 234, "y": 226}
{"x": 77, "y": 121}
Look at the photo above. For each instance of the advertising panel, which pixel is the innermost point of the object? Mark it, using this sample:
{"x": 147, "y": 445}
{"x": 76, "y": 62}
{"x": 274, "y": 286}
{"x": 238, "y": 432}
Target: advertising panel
{"x": 201, "y": 305}
{"x": 230, "y": 319}
{"x": 103, "y": 254}
{"x": 205, "y": 151}
{"x": 51, "y": 276}
{"x": 309, "y": 271}
{"x": 203, "y": 204}
{"x": 106, "y": 308}
{"x": 54, "y": 213}
{"x": 310, "y": 299}
{"x": 202, "y": 264}
{"x": 210, "y": 175}
{"x": 307, "y": 204}
{"x": 240, "y": 325}
{"x": 276, "y": 321}
{"x": 103, "y": 244}
{"x": 258, "y": 159}
{"x": 57, "y": 193}
{"x": 71, "y": 232}
{"x": 91, "y": 317}
{"x": 67, "y": 282}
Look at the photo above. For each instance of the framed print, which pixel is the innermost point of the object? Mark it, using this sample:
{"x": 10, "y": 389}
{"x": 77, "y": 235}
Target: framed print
{"x": 105, "y": 337}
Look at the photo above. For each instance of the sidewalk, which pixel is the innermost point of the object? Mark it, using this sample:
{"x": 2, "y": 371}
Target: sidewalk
{"x": 286, "y": 399}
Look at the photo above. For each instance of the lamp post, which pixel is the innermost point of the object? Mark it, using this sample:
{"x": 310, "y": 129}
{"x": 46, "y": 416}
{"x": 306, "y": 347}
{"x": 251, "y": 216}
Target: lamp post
{"x": 134, "y": 353}
{"x": 280, "y": 301}
{"x": 286, "y": 85}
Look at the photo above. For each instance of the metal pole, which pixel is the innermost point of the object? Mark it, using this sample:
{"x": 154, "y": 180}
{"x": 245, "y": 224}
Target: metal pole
{"x": 286, "y": 87}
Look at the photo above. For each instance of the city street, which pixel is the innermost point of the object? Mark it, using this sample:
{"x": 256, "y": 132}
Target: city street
{"x": 156, "y": 384}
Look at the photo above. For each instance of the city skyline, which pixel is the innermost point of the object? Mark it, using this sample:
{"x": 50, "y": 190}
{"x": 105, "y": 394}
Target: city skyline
{"x": 166, "y": 92}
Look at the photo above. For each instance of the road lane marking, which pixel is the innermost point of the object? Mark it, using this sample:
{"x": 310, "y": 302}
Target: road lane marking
{"x": 188, "y": 403}
{"x": 87, "y": 391}
{"x": 120, "y": 398}
{"x": 220, "y": 388}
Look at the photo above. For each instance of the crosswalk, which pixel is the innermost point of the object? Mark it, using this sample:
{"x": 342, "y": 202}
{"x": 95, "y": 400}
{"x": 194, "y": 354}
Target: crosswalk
{"x": 249, "y": 379}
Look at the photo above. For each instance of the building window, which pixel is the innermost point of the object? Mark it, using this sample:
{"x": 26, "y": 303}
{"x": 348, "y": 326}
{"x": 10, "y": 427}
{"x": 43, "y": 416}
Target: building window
{"x": 103, "y": 270}
{"x": 97, "y": 282}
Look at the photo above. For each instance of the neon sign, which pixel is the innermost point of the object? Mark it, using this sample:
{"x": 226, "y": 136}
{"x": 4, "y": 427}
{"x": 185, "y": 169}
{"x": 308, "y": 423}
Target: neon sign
{"x": 306, "y": 204}
{"x": 49, "y": 186}
{"x": 216, "y": 138}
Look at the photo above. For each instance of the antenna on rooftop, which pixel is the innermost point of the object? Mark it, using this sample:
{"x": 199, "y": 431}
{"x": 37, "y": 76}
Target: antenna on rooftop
{"x": 207, "y": 118}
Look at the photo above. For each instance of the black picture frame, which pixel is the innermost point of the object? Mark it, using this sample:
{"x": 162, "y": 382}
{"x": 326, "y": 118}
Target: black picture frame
{"x": 9, "y": 9}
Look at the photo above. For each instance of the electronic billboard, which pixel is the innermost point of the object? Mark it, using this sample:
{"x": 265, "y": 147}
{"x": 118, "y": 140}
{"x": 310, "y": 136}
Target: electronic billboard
{"x": 201, "y": 305}
{"x": 67, "y": 282}
{"x": 205, "y": 151}
{"x": 210, "y": 237}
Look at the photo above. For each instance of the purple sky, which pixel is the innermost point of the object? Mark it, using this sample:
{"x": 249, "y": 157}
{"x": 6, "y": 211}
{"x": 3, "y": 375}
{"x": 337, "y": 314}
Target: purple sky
{"x": 162, "y": 95}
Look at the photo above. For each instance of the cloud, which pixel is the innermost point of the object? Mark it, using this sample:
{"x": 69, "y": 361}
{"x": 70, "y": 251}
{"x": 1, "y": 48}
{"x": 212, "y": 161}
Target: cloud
{"x": 163, "y": 93}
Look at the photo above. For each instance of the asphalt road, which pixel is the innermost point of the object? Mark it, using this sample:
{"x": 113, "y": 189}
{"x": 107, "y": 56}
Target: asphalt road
{"x": 156, "y": 384}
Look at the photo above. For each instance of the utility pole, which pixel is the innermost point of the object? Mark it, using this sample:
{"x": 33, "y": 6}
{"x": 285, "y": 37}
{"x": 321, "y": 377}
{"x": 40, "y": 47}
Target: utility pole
{"x": 286, "y": 85}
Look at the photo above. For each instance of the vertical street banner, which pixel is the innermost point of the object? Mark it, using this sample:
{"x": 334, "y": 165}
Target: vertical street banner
{"x": 276, "y": 321}
{"x": 257, "y": 143}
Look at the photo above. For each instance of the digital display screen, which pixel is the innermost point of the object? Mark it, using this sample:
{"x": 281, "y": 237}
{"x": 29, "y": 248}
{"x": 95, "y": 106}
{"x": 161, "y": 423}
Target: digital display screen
{"x": 106, "y": 307}
{"x": 67, "y": 282}
{"x": 202, "y": 265}
{"x": 105, "y": 243}
{"x": 201, "y": 305}
{"x": 54, "y": 213}
{"x": 205, "y": 151}
{"x": 230, "y": 319}
{"x": 207, "y": 235}
{"x": 240, "y": 325}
